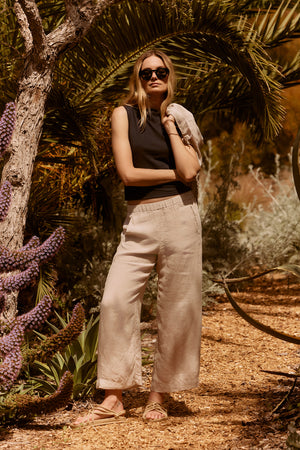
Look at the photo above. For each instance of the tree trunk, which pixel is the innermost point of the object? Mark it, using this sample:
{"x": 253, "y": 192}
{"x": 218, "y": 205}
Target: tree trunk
{"x": 42, "y": 53}
{"x": 30, "y": 108}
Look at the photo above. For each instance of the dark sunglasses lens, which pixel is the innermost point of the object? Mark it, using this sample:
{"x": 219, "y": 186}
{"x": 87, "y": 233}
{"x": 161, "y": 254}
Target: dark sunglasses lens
{"x": 161, "y": 73}
{"x": 146, "y": 74}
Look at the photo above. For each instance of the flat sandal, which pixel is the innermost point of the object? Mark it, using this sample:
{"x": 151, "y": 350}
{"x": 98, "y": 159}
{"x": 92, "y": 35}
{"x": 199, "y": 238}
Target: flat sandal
{"x": 109, "y": 416}
{"x": 154, "y": 406}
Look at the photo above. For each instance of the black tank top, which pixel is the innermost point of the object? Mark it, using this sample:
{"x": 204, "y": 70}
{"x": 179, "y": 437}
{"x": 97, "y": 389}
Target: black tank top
{"x": 151, "y": 149}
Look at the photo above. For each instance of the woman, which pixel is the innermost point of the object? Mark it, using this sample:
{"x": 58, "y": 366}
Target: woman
{"x": 162, "y": 229}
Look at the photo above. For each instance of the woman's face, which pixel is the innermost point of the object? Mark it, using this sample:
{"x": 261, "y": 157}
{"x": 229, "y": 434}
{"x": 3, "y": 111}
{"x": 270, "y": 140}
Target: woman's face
{"x": 156, "y": 84}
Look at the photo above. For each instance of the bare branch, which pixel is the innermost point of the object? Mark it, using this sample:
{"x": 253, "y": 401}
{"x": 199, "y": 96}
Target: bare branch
{"x": 79, "y": 18}
{"x": 34, "y": 22}
{"x": 100, "y": 5}
{"x": 89, "y": 7}
{"x": 24, "y": 27}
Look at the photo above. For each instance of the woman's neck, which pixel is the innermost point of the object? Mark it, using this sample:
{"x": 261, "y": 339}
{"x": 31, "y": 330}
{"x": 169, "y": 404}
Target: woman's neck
{"x": 155, "y": 102}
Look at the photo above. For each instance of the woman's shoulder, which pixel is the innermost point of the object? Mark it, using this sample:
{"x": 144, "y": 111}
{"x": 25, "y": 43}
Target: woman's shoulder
{"x": 119, "y": 112}
{"x": 124, "y": 114}
{"x": 119, "y": 118}
{"x": 123, "y": 109}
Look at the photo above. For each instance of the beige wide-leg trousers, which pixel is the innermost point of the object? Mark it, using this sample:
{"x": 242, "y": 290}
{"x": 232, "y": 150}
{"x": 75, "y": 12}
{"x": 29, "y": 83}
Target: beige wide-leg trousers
{"x": 167, "y": 234}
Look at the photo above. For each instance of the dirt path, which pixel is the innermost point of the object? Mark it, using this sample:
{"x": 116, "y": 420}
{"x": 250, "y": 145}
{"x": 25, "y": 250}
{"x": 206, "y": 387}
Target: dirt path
{"x": 229, "y": 410}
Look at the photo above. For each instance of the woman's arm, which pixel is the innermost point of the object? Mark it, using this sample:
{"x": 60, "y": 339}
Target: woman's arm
{"x": 186, "y": 160}
{"x": 130, "y": 175}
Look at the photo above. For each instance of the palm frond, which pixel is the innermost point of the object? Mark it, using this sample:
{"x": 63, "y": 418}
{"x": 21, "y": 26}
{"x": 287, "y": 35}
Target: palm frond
{"x": 283, "y": 25}
{"x": 253, "y": 6}
{"x": 289, "y": 71}
{"x": 207, "y": 34}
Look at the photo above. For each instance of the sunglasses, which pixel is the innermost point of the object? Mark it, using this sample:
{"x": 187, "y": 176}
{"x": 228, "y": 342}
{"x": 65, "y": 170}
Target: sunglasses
{"x": 161, "y": 73}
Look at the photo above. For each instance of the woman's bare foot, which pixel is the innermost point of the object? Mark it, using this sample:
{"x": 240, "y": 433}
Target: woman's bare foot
{"x": 112, "y": 401}
{"x": 155, "y": 397}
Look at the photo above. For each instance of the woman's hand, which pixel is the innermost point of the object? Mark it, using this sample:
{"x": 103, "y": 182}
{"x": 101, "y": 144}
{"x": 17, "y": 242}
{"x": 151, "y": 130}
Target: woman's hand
{"x": 169, "y": 124}
{"x": 186, "y": 160}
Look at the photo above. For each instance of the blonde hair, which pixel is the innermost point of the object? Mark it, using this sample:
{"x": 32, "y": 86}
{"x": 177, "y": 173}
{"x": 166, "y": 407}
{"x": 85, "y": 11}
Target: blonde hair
{"x": 137, "y": 95}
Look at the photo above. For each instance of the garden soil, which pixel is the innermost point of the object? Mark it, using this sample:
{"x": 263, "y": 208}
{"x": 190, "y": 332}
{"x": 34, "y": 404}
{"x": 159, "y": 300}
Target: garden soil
{"x": 231, "y": 408}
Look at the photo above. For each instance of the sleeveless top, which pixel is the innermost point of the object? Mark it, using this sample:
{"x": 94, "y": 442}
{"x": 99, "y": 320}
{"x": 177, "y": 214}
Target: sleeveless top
{"x": 151, "y": 149}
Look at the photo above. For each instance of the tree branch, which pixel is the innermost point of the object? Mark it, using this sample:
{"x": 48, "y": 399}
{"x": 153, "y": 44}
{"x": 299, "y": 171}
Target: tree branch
{"x": 34, "y": 24}
{"x": 79, "y": 18}
{"x": 24, "y": 26}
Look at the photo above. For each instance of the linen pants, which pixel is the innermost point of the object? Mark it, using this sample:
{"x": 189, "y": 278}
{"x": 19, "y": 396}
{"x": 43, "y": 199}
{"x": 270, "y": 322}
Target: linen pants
{"x": 167, "y": 234}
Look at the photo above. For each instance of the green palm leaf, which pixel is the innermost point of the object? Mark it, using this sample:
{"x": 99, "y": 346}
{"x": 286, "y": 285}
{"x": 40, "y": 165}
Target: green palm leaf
{"x": 280, "y": 26}
{"x": 208, "y": 34}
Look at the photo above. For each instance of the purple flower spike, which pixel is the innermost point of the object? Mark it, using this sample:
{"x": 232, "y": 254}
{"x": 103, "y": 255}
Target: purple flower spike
{"x": 2, "y": 302}
{"x": 20, "y": 280}
{"x": 50, "y": 247}
{"x": 34, "y": 318}
{"x": 7, "y": 124}
{"x": 5, "y": 195}
{"x": 34, "y": 242}
{"x": 10, "y": 368}
{"x": 20, "y": 259}
{"x": 12, "y": 340}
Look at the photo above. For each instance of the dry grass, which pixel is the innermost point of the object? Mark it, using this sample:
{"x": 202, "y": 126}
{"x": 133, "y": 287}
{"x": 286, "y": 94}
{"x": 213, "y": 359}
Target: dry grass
{"x": 255, "y": 189}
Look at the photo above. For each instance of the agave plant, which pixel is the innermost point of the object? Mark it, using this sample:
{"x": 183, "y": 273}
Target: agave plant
{"x": 79, "y": 358}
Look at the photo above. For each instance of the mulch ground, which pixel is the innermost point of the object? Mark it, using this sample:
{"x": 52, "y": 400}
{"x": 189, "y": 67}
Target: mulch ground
{"x": 232, "y": 407}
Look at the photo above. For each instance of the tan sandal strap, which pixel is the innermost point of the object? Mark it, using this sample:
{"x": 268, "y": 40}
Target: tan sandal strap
{"x": 155, "y": 406}
{"x": 107, "y": 412}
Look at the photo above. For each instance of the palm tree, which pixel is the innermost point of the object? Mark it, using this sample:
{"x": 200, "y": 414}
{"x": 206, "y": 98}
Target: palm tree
{"x": 219, "y": 49}
{"x": 221, "y": 54}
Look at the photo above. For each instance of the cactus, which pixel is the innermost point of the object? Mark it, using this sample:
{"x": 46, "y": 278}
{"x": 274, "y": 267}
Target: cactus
{"x": 32, "y": 243}
{"x": 27, "y": 259}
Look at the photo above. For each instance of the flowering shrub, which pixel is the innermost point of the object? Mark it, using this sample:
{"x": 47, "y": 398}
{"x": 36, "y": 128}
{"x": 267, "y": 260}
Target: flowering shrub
{"x": 7, "y": 123}
{"x": 5, "y": 194}
{"x": 26, "y": 406}
{"x": 27, "y": 261}
{"x": 20, "y": 259}
{"x": 45, "y": 349}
